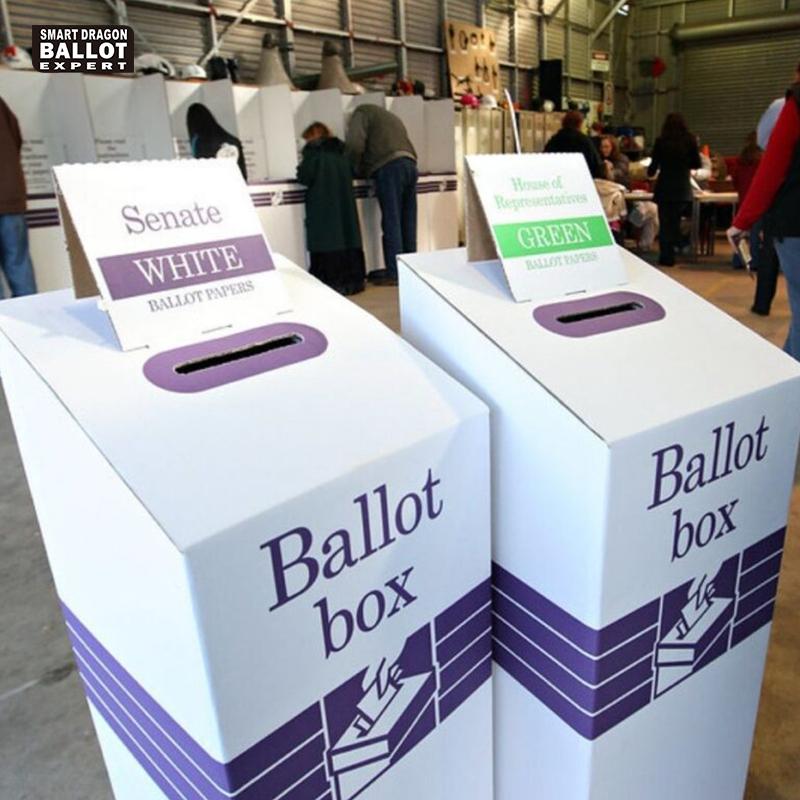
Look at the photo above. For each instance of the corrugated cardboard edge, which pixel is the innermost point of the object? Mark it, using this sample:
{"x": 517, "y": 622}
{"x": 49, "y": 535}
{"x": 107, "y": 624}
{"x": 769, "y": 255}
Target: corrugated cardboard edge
{"x": 82, "y": 279}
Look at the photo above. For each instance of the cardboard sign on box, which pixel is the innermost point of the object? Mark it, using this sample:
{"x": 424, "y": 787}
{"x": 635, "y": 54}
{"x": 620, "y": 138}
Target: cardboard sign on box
{"x": 173, "y": 264}
{"x": 542, "y": 217}
{"x": 643, "y": 453}
{"x": 276, "y": 587}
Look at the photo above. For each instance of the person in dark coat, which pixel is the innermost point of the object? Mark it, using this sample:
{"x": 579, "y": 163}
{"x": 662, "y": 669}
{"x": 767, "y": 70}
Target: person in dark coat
{"x": 332, "y": 231}
{"x": 208, "y": 139}
{"x": 675, "y": 155}
{"x": 570, "y": 139}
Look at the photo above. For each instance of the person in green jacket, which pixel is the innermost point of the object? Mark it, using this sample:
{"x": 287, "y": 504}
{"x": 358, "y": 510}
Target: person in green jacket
{"x": 332, "y": 232}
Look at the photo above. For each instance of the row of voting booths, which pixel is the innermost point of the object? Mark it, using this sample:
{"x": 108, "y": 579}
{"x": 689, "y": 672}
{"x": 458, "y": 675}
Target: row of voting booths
{"x": 82, "y": 118}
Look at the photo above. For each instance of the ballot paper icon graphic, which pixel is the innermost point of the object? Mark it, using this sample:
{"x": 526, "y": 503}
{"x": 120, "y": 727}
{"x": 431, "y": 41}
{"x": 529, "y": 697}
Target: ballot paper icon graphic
{"x": 701, "y": 632}
{"x": 396, "y": 709}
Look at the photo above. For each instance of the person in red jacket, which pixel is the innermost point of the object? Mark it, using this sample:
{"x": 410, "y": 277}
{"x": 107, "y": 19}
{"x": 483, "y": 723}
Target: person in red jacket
{"x": 774, "y": 195}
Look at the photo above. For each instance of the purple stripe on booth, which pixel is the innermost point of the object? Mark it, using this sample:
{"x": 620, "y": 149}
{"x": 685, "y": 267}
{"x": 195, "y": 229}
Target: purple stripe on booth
{"x": 126, "y": 274}
{"x": 766, "y": 547}
{"x": 48, "y": 224}
{"x": 462, "y": 609}
{"x": 139, "y": 726}
{"x": 479, "y": 650}
{"x": 240, "y": 770}
{"x": 756, "y": 621}
{"x": 592, "y": 669}
{"x": 461, "y": 692}
{"x": 591, "y": 699}
{"x": 461, "y": 637}
{"x": 590, "y": 727}
{"x": 760, "y": 574}
{"x": 594, "y": 642}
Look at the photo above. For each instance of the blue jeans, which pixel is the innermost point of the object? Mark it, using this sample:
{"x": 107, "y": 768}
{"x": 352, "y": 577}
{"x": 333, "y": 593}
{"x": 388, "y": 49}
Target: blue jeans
{"x": 15, "y": 260}
{"x": 789, "y": 256}
{"x": 396, "y": 187}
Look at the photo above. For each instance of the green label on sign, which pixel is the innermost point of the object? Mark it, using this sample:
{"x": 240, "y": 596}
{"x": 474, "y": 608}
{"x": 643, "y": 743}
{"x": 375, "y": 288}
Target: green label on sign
{"x": 516, "y": 239}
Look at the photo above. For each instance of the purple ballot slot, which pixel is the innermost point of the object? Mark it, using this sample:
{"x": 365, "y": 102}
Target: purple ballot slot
{"x": 206, "y": 365}
{"x": 600, "y": 314}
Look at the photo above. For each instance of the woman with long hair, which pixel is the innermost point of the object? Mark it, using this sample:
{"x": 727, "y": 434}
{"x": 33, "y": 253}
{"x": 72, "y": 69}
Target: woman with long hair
{"x": 332, "y": 231}
{"x": 615, "y": 162}
{"x": 208, "y": 139}
{"x": 675, "y": 155}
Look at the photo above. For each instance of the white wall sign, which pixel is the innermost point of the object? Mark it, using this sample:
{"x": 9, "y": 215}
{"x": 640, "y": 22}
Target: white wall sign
{"x": 174, "y": 248}
{"x": 540, "y": 214}
{"x": 601, "y": 61}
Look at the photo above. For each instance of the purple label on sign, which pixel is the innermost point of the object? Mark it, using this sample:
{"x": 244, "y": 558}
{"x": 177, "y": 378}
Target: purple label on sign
{"x": 135, "y": 274}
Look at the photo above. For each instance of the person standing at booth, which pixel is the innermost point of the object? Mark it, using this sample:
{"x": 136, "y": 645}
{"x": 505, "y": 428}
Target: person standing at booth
{"x": 332, "y": 232}
{"x": 774, "y": 195}
{"x": 379, "y": 148}
{"x": 208, "y": 139}
{"x": 15, "y": 260}
{"x": 675, "y": 155}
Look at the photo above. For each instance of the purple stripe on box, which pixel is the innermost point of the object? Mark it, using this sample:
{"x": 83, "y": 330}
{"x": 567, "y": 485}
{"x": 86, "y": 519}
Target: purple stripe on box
{"x": 590, "y": 699}
{"x": 463, "y": 609}
{"x": 766, "y": 547}
{"x": 760, "y": 574}
{"x": 717, "y": 648}
{"x": 140, "y": 728}
{"x": 147, "y": 765}
{"x": 753, "y": 601}
{"x": 591, "y": 669}
{"x": 595, "y": 642}
{"x": 590, "y": 727}
{"x": 423, "y": 726}
{"x": 288, "y": 764}
{"x": 461, "y": 637}
{"x": 459, "y": 667}
{"x": 461, "y": 692}
{"x": 170, "y": 268}
{"x": 753, "y": 623}
{"x": 240, "y": 770}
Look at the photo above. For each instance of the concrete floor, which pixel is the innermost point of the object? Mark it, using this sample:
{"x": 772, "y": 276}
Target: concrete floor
{"x": 48, "y": 749}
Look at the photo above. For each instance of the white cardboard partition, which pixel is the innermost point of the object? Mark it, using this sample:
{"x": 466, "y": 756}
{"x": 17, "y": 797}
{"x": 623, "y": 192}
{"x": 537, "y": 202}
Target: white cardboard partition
{"x": 130, "y": 117}
{"x": 259, "y": 600}
{"x": 217, "y": 96}
{"x": 643, "y": 453}
{"x": 282, "y": 139}
{"x": 250, "y": 122}
{"x": 352, "y": 101}
{"x": 324, "y": 105}
{"x": 54, "y": 118}
{"x": 56, "y": 128}
{"x": 412, "y": 111}
{"x": 440, "y": 145}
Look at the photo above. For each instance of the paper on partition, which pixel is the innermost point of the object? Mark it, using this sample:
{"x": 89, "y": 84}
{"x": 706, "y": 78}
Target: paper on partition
{"x": 541, "y": 216}
{"x": 174, "y": 248}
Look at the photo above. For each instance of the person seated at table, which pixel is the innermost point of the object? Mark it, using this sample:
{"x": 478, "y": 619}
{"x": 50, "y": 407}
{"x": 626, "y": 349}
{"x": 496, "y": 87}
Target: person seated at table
{"x": 571, "y": 139}
{"x": 675, "y": 155}
{"x": 612, "y": 198}
{"x": 332, "y": 231}
{"x": 616, "y": 163}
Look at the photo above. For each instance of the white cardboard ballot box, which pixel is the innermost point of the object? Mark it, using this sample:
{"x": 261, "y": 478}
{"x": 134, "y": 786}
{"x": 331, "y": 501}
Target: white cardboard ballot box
{"x": 643, "y": 452}
{"x": 274, "y": 568}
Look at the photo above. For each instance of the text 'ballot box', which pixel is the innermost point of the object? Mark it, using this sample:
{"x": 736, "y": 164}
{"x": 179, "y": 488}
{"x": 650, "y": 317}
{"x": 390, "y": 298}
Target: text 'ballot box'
{"x": 643, "y": 451}
{"x": 271, "y": 548}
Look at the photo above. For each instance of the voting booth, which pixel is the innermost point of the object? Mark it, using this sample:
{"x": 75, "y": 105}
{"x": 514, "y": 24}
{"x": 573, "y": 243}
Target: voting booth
{"x": 262, "y": 602}
{"x": 56, "y": 128}
{"x": 643, "y": 453}
{"x": 251, "y": 125}
{"x": 130, "y": 117}
{"x": 216, "y": 96}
